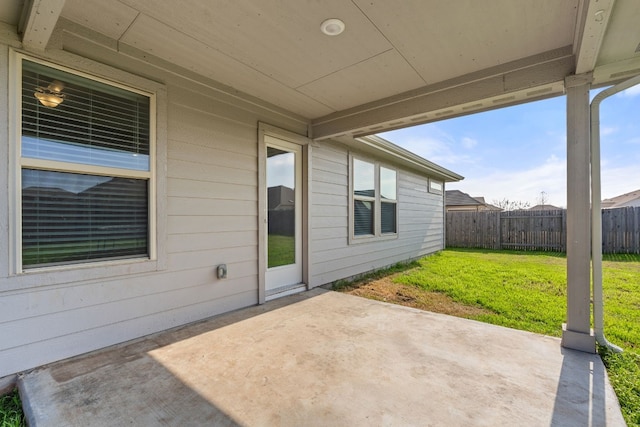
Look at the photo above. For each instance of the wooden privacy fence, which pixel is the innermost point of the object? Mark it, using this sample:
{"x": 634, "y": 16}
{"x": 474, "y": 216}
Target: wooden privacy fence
{"x": 621, "y": 230}
{"x": 538, "y": 230}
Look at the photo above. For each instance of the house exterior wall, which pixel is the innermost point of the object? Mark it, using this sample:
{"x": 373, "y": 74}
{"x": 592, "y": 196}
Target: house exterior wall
{"x": 420, "y": 220}
{"x": 207, "y": 214}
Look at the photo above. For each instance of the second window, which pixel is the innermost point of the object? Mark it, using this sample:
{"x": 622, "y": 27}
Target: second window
{"x": 374, "y": 203}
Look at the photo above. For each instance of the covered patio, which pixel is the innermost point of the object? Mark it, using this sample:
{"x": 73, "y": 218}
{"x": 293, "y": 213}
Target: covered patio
{"x": 349, "y": 69}
{"x": 219, "y": 74}
{"x": 323, "y": 358}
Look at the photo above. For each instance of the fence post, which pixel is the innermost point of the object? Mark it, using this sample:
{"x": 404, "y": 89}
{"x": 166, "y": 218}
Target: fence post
{"x": 636, "y": 230}
{"x": 499, "y": 225}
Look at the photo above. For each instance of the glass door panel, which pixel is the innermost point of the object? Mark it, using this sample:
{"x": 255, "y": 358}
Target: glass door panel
{"x": 281, "y": 205}
{"x": 284, "y": 215}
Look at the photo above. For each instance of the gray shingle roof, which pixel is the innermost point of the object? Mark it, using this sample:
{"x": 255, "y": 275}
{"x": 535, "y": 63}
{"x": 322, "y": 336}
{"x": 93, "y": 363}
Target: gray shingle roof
{"x": 622, "y": 200}
{"x": 458, "y": 198}
{"x": 544, "y": 208}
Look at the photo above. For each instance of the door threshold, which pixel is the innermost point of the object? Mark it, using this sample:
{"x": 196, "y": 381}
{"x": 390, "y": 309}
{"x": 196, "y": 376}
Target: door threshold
{"x": 284, "y": 291}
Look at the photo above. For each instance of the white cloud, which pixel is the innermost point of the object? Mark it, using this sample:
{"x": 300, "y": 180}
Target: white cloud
{"x": 604, "y": 130}
{"x": 619, "y": 180}
{"x": 437, "y": 146}
{"x": 631, "y": 92}
{"x": 469, "y": 142}
{"x": 523, "y": 185}
{"x": 280, "y": 170}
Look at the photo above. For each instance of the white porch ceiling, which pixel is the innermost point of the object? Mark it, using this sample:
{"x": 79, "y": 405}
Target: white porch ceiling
{"x": 398, "y": 63}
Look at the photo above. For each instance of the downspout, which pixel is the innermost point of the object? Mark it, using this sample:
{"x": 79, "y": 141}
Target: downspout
{"x": 444, "y": 214}
{"x": 596, "y": 212}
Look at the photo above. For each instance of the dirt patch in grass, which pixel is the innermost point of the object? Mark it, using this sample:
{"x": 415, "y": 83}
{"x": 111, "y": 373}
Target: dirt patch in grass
{"x": 384, "y": 289}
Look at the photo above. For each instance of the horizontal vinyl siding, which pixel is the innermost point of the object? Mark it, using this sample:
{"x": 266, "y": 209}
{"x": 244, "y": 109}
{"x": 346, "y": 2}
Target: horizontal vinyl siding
{"x": 62, "y": 346}
{"x": 211, "y": 211}
{"x": 420, "y": 221}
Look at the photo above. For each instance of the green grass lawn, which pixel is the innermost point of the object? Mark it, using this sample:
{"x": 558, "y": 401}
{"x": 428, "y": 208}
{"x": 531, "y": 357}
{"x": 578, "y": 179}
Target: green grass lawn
{"x": 527, "y": 290}
{"x": 281, "y": 250}
{"x": 522, "y": 290}
{"x": 11, "y": 411}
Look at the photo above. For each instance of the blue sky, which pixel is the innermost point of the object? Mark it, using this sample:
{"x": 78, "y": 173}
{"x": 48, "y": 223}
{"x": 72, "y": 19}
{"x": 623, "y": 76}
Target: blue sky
{"x": 518, "y": 152}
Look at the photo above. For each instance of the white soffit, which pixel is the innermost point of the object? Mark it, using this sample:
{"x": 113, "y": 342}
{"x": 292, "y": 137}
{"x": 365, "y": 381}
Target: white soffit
{"x": 443, "y": 39}
{"x": 281, "y": 39}
{"x": 397, "y": 62}
{"x": 10, "y": 11}
{"x": 361, "y": 83}
{"x": 622, "y": 37}
{"x": 274, "y": 49}
{"x": 150, "y": 35}
{"x": 619, "y": 56}
{"x": 114, "y": 20}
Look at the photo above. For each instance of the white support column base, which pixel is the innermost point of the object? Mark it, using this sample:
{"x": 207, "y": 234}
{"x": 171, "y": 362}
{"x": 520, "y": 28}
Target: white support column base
{"x": 578, "y": 340}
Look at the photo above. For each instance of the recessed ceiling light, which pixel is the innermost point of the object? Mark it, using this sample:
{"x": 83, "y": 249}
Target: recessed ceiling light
{"x": 332, "y": 27}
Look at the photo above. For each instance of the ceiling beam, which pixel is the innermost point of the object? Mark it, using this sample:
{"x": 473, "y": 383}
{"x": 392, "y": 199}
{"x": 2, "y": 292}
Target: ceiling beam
{"x": 590, "y": 30}
{"x": 39, "y": 18}
{"x": 498, "y": 84}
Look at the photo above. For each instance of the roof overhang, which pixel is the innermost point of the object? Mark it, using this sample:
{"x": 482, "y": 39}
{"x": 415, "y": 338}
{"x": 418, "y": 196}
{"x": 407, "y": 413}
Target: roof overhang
{"x": 395, "y": 154}
{"x": 529, "y": 79}
{"x": 397, "y": 64}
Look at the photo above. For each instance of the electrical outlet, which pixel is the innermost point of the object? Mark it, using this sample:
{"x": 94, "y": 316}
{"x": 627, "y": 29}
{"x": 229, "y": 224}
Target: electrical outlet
{"x": 222, "y": 271}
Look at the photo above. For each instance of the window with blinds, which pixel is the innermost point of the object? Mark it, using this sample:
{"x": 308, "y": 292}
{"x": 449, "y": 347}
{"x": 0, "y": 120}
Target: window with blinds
{"x": 374, "y": 201}
{"x": 86, "y": 169}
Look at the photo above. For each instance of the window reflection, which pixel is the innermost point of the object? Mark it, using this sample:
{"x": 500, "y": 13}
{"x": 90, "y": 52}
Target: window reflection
{"x": 281, "y": 242}
{"x": 69, "y": 217}
{"x": 387, "y": 183}
{"x": 39, "y": 148}
{"x": 363, "y": 178}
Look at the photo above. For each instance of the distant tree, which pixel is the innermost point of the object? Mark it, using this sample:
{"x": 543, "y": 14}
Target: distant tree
{"x": 511, "y": 205}
{"x": 543, "y": 198}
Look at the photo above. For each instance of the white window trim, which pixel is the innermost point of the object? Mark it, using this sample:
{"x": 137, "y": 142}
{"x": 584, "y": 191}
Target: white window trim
{"x": 377, "y": 226}
{"x": 16, "y": 277}
{"x": 266, "y": 130}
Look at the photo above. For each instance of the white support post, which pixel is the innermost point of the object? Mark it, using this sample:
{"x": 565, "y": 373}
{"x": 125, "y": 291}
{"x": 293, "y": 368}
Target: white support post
{"x": 577, "y": 333}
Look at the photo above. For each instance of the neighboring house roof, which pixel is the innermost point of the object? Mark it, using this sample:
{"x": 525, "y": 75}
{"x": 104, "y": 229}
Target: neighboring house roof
{"x": 488, "y": 206}
{"x": 280, "y": 197}
{"x": 624, "y": 200}
{"x": 544, "y": 208}
{"x": 458, "y": 198}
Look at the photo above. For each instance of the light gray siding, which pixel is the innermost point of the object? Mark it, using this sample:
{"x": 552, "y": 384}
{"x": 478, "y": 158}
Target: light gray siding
{"x": 207, "y": 209}
{"x": 420, "y": 220}
{"x": 207, "y": 214}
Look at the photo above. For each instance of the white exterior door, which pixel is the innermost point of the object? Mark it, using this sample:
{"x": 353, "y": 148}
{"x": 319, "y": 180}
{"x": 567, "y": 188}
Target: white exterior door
{"x": 284, "y": 217}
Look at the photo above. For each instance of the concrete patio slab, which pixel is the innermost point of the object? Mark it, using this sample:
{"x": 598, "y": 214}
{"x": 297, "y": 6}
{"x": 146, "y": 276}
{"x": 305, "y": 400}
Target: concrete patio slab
{"x": 322, "y": 358}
